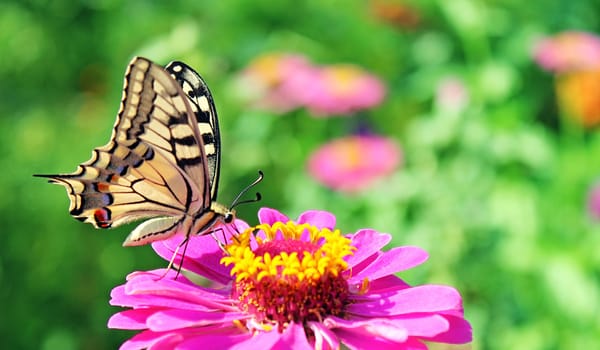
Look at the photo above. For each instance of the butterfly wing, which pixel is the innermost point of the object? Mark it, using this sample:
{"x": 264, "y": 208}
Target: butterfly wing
{"x": 154, "y": 164}
{"x": 204, "y": 109}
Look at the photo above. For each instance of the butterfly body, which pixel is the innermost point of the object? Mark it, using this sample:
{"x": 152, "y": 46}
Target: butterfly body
{"x": 162, "y": 161}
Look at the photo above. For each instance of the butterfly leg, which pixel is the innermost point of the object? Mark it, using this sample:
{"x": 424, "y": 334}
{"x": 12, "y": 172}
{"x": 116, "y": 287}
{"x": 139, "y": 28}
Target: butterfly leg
{"x": 219, "y": 242}
{"x": 237, "y": 231}
{"x": 171, "y": 262}
{"x": 185, "y": 241}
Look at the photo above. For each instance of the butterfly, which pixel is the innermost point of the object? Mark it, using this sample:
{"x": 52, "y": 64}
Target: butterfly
{"x": 162, "y": 161}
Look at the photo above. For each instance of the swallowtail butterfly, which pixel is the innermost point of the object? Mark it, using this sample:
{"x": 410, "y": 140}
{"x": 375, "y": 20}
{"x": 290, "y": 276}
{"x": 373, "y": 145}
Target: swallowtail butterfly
{"x": 162, "y": 161}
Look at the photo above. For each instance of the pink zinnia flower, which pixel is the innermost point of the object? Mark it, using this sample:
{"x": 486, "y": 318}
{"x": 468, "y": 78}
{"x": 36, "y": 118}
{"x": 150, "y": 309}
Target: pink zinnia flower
{"x": 289, "y": 285}
{"x": 568, "y": 51}
{"x": 276, "y": 82}
{"x": 343, "y": 89}
{"x": 353, "y": 163}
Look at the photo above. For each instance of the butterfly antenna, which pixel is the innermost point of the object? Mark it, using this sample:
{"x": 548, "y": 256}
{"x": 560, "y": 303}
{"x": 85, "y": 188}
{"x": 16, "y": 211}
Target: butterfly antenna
{"x": 237, "y": 201}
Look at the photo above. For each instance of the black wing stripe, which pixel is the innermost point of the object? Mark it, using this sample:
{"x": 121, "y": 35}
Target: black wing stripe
{"x": 206, "y": 117}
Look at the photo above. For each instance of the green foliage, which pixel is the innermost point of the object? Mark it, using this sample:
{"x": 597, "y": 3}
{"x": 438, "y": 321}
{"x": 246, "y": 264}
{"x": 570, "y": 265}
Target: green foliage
{"x": 496, "y": 194}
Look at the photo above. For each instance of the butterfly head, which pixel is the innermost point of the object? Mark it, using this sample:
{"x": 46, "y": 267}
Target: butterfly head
{"x": 223, "y": 214}
{"x": 229, "y": 216}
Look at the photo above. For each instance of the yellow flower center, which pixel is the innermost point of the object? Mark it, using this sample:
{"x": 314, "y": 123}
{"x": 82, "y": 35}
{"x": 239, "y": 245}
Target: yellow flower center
{"x": 268, "y": 67}
{"x": 291, "y": 273}
{"x": 349, "y": 152}
{"x": 342, "y": 79}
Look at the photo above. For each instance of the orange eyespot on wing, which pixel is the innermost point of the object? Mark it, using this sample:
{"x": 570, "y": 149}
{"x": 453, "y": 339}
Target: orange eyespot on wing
{"x": 102, "y": 217}
{"x": 103, "y": 187}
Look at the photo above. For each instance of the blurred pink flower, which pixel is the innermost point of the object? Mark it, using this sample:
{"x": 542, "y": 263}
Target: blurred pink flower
{"x": 343, "y": 89}
{"x": 594, "y": 201}
{"x": 283, "y": 82}
{"x": 353, "y": 163}
{"x": 276, "y": 81}
{"x": 451, "y": 94}
{"x": 289, "y": 285}
{"x": 568, "y": 51}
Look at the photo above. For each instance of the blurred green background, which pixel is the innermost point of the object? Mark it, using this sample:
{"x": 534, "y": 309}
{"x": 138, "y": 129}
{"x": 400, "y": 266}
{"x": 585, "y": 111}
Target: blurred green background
{"x": 496, "y": 194}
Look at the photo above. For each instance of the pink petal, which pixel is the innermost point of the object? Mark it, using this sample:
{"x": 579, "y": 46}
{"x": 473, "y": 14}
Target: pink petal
{"x": 145, "y": 340}
{"x": 381, "y": 285}
{"x": 429, "y": 326}
{"x": 427, "y": 298}
{"x": 271, "y": 216}
{"x": 122, "y": 296}
{"x": 158, "y": 278}
{"x": 320, "y": 219}
{"x": 358, "y": 341}
{"x": 202, "y": 256}
{"x": 117, "y": 294}
{"x": 209, "y": 341}
{"x": 189, "y": 337}
{"x": 203, "y": 297}
{"x": 143, "y": 301}
{"x": 263, "y": 340}
{"x": 459, "y": 332}
{"x": 325, "y": 338}
{"x": 395, "y": 260}
{"x": 131, "y": 319}
{"x": 147, "y": 290}
{"x": 293, "y": 337}
{"x": 168, "y": 342}
{"x": 423, "y": 325}
{"x": 157, "y": 281}
{"x": 372, "y": 328}
{"x": 367, "y": 242}
{"x": 178, "y": 319}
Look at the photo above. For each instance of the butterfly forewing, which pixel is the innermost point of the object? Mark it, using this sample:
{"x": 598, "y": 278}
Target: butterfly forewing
{"x": 155, "y": 110}
{"x": 203, "y": 106}
{"x": 162, "y": 159}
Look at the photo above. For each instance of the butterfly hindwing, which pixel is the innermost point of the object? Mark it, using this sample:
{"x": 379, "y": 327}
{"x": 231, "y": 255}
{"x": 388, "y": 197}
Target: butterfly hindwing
{"x": 107, "y": 190}
{"x": 157, "y": 162}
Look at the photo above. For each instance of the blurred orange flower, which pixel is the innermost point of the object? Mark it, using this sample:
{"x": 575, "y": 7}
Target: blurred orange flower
{"x": 395, "y": 12}
{"x": 579, "y": 96}
{"x": 575, "y": 58}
